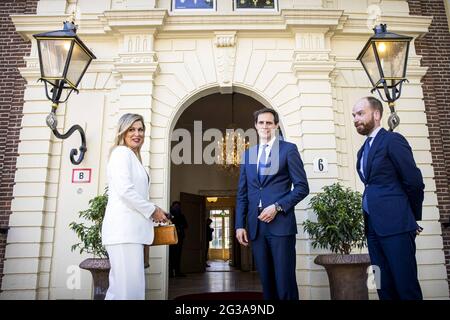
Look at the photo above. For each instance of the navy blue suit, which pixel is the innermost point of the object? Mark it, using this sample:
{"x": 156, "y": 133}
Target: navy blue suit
{"x": 273, "y": 244}
{"x": 394, "y": 189}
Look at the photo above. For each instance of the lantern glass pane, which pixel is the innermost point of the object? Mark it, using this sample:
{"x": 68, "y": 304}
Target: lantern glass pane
{"x": 80, "y": 59}
{"x": 370, "y": 64}
{"x": 392, "y": 56}
{"x": 54, "y": 56}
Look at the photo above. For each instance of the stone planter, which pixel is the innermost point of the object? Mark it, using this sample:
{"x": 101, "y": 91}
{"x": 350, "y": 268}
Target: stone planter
{"x": 347, "y": 275}
{"x": 99, "y": 269}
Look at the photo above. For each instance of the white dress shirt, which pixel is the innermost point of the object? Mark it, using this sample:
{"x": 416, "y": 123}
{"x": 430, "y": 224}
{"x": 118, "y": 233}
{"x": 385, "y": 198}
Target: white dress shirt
{"x": 268, "y": 149}
{"x": 128, "y": 212}
{"x": 372, "y": 135}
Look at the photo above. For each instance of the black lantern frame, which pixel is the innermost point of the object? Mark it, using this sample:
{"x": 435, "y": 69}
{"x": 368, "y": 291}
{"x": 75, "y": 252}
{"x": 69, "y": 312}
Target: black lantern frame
{"x": 390, "y": 86}
{"x": 56, "y": 85}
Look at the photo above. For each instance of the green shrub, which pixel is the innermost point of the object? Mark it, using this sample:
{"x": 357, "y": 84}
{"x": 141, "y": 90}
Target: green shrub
{"x": 340, "y": 223}
{"x": 90, "y": 236}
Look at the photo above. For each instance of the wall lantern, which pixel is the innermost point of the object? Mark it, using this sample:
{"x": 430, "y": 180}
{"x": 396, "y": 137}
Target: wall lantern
{"x": 63, "y": 60}
{"x": 384, "y": 58}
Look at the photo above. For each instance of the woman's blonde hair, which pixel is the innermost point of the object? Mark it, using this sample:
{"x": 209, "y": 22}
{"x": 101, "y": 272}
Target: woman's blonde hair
{"x": 125, "y": 123}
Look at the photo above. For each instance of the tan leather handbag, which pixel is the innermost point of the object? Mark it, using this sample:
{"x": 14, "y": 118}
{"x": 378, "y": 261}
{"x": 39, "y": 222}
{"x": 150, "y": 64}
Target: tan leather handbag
{"x": 165, "y": 235}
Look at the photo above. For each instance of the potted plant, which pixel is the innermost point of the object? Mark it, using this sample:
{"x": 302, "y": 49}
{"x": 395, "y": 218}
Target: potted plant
{"x": 340, "y": 228}
{"x": 91, "y": 242}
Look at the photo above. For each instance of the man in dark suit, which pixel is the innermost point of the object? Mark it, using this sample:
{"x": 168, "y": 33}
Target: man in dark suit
{"x": 392, "y": 202}
{"x": 175, "y": 250}
{"x": 265, "y": 204}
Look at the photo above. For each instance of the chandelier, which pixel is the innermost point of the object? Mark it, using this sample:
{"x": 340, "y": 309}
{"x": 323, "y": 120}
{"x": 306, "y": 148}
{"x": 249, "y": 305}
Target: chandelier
{"x": 231, "y": 147}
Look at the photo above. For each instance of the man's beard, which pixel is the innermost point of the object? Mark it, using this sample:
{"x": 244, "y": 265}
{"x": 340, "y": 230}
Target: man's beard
{"x": 366, "y": 128}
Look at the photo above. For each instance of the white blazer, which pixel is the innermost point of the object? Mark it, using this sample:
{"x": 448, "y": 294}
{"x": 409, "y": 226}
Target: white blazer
{"x": 127, "y": 216}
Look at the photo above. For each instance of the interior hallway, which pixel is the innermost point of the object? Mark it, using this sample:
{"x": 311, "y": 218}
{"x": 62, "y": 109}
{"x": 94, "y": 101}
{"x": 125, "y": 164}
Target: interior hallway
{"x": 219, "y": 277}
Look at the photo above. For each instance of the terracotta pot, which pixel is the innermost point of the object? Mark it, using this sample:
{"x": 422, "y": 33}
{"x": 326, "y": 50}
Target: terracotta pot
{"x": 99, "y": 269}
{"x": 347, "y": 275}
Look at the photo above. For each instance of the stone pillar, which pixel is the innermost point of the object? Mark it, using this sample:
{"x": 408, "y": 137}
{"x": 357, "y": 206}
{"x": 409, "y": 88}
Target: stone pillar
{"x": 312, "y": 66}
{"x": 135, "y": 70}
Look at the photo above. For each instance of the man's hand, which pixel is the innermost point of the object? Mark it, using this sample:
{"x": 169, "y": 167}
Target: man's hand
{"x": 419, "y": 230}
{"x": 241, "y": 236}
{"x": 159, "y": 216}
{"x": 268, "y": 214}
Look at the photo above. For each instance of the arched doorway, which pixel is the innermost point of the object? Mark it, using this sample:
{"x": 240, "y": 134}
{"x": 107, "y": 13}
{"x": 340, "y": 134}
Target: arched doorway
{"x": 193, "y": 180}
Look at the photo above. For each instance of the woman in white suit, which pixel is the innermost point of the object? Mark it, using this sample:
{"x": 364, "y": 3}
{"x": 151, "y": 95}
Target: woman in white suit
{"x": 129, "y": 216}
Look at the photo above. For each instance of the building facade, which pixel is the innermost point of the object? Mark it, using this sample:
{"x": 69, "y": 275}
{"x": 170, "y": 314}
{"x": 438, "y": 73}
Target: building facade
{"x": 157, "y": 58}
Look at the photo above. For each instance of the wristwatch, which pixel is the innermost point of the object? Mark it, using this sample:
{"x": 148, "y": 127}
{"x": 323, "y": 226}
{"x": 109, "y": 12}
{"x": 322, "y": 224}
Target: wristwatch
{"x": 278, "y": 207}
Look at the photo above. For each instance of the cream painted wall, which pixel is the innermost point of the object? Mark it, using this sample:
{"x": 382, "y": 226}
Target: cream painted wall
{"x": 300, "y": 62}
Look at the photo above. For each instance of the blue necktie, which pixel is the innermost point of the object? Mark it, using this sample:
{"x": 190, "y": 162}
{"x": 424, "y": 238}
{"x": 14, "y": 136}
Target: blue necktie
{"x": 262, "y": 163}
{"x": 364, "y": 165}
{"x": 366, "y": 155}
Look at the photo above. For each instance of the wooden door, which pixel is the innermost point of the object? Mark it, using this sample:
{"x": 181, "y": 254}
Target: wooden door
{"x": 194, "y": 247}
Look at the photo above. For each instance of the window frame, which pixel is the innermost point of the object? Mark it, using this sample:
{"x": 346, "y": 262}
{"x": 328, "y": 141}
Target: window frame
{"x": 268, "y": 10}
{"x": 174, "y": 9}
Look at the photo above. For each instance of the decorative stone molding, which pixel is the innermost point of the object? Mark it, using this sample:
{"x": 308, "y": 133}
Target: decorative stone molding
{"x": 225, "y": 53}
{"x": 225, "y": 40}
{"x": 131, "y": 63}
{"x": 32, "y": 63}
{"x": 132, "y": 4}
{"x": 136, "y": 55}
{"x": 134, "y": 59}
{"x": 333, "y": 19}
{"x": 407, "y": 25}
{"x": 136, "y": 20}
{"x": 138, "y": 43}
{"x": 71, "y": 6}
{"x": 127, "y": 20}
{"x": 310, "y": 56}
{"x": 310, "y": 41}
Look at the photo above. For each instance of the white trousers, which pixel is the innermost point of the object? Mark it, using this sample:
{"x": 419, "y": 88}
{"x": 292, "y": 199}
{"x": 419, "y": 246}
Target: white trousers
{"x": 127, "y": 275}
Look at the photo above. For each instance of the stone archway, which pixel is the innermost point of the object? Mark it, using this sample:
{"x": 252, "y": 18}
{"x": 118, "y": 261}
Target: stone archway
{"x": 194, "y": 180}
{"x": 203, "y": 66}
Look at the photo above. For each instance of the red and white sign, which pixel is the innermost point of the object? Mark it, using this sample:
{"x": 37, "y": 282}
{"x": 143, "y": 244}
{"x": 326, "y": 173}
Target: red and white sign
{"x": 81, "y": 175}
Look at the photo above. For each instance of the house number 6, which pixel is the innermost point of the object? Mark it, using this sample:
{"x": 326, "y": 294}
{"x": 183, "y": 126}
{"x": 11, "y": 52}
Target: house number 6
{"x": 320, "y": 165}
